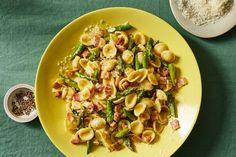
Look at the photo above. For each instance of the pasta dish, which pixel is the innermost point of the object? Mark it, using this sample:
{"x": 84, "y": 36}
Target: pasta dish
{"x": 119, "y": 88}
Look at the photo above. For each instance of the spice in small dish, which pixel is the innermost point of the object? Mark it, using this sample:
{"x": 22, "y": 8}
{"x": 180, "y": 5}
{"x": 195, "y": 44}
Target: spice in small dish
{"x": 23, "y": 103}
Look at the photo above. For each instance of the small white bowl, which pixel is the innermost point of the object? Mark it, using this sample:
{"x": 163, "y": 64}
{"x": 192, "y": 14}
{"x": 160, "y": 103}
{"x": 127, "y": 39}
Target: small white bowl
{"x": 8, "y": 103}
{"x": 209, "y": 30}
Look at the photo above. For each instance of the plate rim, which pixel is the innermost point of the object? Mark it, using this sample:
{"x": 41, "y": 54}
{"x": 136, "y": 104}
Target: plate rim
{"x": 100, "y": 10}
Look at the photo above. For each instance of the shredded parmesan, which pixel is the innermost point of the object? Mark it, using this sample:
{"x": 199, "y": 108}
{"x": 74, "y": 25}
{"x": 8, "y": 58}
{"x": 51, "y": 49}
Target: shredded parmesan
{"x": 201, "y": 12}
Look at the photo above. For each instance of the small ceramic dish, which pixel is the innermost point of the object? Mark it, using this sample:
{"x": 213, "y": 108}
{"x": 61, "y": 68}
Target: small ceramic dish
{"x": 208, "y": 30}
{"x": 9, "y": 101}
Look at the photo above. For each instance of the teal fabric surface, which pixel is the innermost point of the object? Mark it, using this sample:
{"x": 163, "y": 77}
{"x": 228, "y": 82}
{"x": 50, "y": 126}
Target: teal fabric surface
{"x": 26, "y": 28}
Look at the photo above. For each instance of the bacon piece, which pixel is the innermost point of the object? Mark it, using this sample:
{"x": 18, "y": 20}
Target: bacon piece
{"x": 76, "y": 97}
{"x": 75, "y": 140}
{"x": 56, "y": 85}
{"x": 163, "y": 80}
{"x": 85, "y": 53}
{"x": 164, "y": 71}
{"x": 120, "y": 48}
{"x": 146, "y": 139}
{"x": 108, "y": 90}
{"x": 120, "y": 41}
{"x": 175, "y": 124}
{"x": 116, "y": 146}
{"x": 105, "y": 75}
{"x": 58, "y": 93}
{"x": 113, "y": 125}
{"x": 154, "y": 115}
{"x": 99, "y": 88}
{"x": 181, "y": 82}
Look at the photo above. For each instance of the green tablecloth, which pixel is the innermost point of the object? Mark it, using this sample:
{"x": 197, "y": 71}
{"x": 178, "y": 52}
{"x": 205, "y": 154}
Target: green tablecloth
{"x": 27, "y": 26}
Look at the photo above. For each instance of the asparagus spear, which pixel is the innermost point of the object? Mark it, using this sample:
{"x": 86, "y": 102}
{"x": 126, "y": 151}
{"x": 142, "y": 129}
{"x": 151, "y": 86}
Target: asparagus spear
{"x": 94, "y": 54}
{"x": 122, "y": 133}
{"x": 78, "y": 51}
{"x": 85, "y": 76}
{"x": 129, "y": 114}
{"x": 171, "y": 105}
{"x": 128, "y": 91}
{"x": 89, "y": 146}
{"x": 171, "y": 69}
{"x": 130, "y": 44}
{"x": 109, "y": 111}
{"x": 140, "y": 95}
{"x": 147, "y": 53}
{"x": 130, "y": 145}
{"x": 70, "y": 82}
{"x": 122, "y": 27}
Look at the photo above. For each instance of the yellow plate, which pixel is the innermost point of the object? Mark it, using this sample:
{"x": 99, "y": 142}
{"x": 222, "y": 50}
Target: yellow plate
{"x": 51, "y": 110}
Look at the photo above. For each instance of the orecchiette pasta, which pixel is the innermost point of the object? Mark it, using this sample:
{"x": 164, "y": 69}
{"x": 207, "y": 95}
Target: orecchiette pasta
{"x": 86, "y": 134}
{"x": 109, "y": 50}
{"x": 118, "y": 85}
{"x": 130, "y": 100}
{"x": 139, "y": 38}
{"x": 139, "y": 109}
{"x": 128, "y": 56}
{"x": 136, "y": 127}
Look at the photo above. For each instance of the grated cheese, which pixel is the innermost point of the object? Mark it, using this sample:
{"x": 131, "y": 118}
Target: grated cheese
{"x": 201, "y": 12}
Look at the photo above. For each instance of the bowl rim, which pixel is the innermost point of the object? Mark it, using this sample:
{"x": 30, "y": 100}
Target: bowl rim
{"x": 92, "y": 12}
{"x": 6, "y": 105}
{"x": 200, "y": 34}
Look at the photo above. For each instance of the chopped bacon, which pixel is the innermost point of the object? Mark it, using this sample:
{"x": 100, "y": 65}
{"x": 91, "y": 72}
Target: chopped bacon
{"x": 113, "y": 125}
{"x": 181, "y": 82}
{"x": 56, "y": 85}
{"x": 118, "y": 109}
{"x": 164, "y": 71}
{"x": 120, "y": 41}
{"x": 136, "y": 138}
{"x": 70, "y": 117}
{"x": 116, "y": 146}
{"x": 75, "y": 140}
{"x": 85, "y": 53}
{"x": 105, "y": 75}
{"x": 76, "y": 97}
{"x": 117, "y": 80}
{"x": 116, "y": 117}
{"x": 125, "y": 84}
{"x": 108, "y": 90}
{"x": 96, "y": 40}
{"x": 92, "y": 91}
{"x": 99, "y": 88}
{"x": 163, "y": 80}
{"x": 120, "y": 48}
{"x": 58, "y": 93}
{"x": 154, "y": 115}
{"x": 175, "y": 124}
{"x": 147, "y": 139}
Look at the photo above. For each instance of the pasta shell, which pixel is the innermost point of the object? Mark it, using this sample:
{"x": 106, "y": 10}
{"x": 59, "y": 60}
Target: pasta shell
{"x": 113, "y": 38}
{"x": 109, "y": 50}
{"x": 128, "y": 56}
{"x": 157, "y": 127}
{"x": 145, "y": 85}
{"x": 64, "y": 92}
{"x": 144, "y": 116}
{"x": 118, "y": 101}
{"x": 104, "y": 138}
{"x": 122, "y": 35}
{"x": 83, "y": 62}
{"x": 111, "y": 82}
{"x": 122, "y": 83}
{"x": 138, "y": 75}
{"x": 148, "y": 101}
{"x": 101, "y": 95}
{"x": 163, "y": 117}
{"x": 131, "y": 100}
{"x": 168, "y": 86}
{"x": 85, "y": 94}
{"x": 109, "y": 65}
{"x": 86, "y": 39}
{"x": 70, "y": 122}
{"x": 83, "y": 83}
{"x": 128, "y": 71}
{"x": 156, "y": 63}
{"x": 86, "y": 134}
{"x": 75, "y": 63}
{"x": 157, "y": 105}
{"x": 168, "y": 56}
{"x": 161, "y": 95}
{"x": 98, "y": 123}
{"x": 152, "y": 79}
{"x": 139, "y": 109}
{"x": 159, "y": 48}
{"x": 139, "y": 38}
{"x": 148, "y": 136}
{"x": 136, "y": 127}
{"x": 76, "y": 105}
